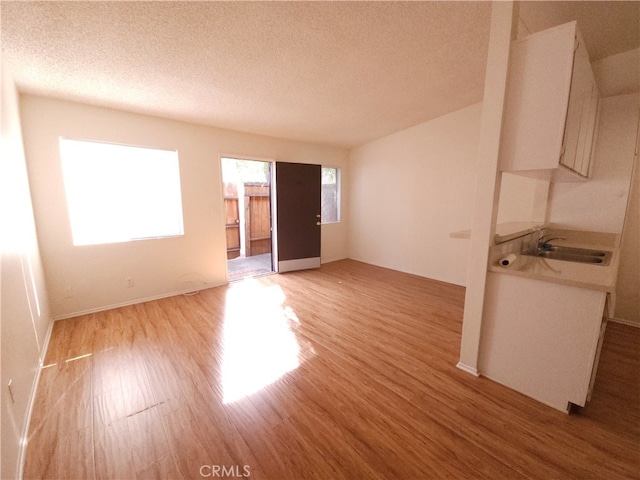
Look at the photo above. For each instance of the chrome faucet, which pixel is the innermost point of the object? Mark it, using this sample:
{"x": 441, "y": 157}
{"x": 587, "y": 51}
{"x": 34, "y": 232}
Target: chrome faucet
{"x": 543, "y": 241}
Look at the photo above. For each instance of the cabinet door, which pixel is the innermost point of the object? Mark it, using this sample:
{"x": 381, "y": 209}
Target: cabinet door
{"x": 596, "y": 361}
{"x": 543, "y": 349}
{"x": 551, "y": 106}
{"x": 578, "y": 109}
{"x": 537, "y": 95}
{"x": 588, "y": 133}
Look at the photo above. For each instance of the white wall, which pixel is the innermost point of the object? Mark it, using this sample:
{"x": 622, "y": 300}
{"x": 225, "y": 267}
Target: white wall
{"x": 24, "y": 310}
{"x": 410, "y": 190}
{"x": 95, "y": 275}
{"x": 618, "y": 74}
{"x": 628, "y": 284}
{"x": 522, "y": 199}
{"x": 599, "y": 205}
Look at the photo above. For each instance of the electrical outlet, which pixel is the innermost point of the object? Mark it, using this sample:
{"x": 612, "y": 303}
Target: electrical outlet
{"x": 128, "y": 282}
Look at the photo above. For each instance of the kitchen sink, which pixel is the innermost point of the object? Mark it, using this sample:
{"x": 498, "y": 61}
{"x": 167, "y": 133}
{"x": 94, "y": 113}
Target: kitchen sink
{"x": 577, "y": 251}
{"x": 571, "y": 254}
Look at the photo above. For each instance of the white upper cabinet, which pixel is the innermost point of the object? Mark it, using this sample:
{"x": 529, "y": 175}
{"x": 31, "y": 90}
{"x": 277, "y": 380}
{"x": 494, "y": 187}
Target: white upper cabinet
{"x": 551, "y": 107}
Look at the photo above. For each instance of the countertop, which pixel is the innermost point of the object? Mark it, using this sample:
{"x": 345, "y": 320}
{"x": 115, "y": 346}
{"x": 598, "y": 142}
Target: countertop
{"x": 595, "y": 277}
{"x": 503, "y": 230}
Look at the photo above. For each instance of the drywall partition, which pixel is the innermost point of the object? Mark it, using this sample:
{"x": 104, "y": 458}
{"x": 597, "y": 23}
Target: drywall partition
{"x": 410, "y": 190}
{"x": 504, "y": 17}
{"x": 24, "y": 312}
{"x": 627, "y": 307}
{"x": 88, "y": 278}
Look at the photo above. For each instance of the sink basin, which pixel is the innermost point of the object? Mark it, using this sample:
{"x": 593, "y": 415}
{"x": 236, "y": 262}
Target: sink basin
{"x": 567, "y": 257}
{"x": 571, "y": 254}
{"x": 577, "y": 251}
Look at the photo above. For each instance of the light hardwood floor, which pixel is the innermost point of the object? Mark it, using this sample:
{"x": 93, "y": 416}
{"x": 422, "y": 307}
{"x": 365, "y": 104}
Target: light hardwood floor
{"x": 343, "y": 372}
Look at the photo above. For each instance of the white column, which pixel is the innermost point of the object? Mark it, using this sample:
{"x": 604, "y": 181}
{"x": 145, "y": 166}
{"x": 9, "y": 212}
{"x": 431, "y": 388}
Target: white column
{"x": 504, "y": 18}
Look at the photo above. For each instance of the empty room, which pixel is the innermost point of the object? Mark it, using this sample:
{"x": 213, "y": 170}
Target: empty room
{"x": 320, "y": 240}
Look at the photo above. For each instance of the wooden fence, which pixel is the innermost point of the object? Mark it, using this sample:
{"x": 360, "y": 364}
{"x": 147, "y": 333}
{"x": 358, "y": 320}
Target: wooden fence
{"x": 253, "y": 200}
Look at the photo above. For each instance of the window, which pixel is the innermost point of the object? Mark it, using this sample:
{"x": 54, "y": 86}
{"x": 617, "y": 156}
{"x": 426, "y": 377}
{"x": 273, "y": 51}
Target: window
{"x": 117, "y": 193}
{"x": 330, "y": 195}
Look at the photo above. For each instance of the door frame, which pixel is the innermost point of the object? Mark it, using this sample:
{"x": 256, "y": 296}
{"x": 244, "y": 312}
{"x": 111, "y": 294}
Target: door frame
{"x": 272, "y": 201}
{"x": 272, "y": 196}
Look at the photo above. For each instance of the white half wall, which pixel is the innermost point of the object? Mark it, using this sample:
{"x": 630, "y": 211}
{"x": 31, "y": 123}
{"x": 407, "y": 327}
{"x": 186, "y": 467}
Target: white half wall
{"x": 410, "y": 190}
{"x": 88, "y": 278}
{"x": 25, "y": 320}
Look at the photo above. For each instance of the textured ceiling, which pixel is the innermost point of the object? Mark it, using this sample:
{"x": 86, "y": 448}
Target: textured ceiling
{"x": 340, "y": 73}
{"x": 608, "y": 27}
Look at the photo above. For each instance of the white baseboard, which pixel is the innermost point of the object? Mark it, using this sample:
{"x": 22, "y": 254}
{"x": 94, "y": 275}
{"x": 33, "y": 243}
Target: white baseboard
{"x": 136, "y": 301}
{"x": 468, "y": 369}
{"x": 24, "y": 442}
{"x": 624, "y": 321}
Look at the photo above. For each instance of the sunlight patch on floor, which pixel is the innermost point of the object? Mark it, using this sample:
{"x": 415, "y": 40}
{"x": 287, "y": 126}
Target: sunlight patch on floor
{"x": 260, "y": 343}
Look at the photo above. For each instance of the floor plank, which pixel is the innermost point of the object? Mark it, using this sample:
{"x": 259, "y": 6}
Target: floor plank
{"x": 343, "y": 372}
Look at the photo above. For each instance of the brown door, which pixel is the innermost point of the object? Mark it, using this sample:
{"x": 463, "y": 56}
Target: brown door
{"x": 298, "y": 203}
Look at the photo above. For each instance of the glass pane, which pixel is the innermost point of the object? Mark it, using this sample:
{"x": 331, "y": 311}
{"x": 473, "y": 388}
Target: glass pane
{"x": 117, "y": 193}
{"x": 330, "y": 195}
